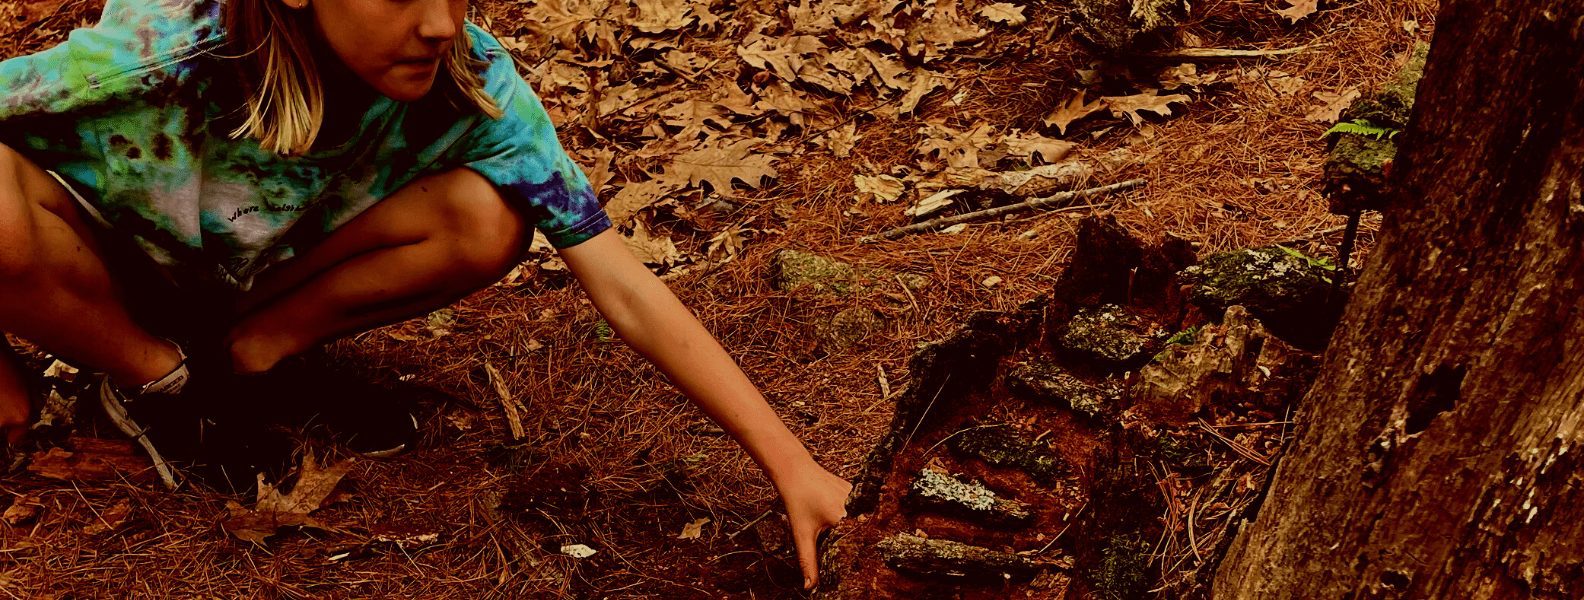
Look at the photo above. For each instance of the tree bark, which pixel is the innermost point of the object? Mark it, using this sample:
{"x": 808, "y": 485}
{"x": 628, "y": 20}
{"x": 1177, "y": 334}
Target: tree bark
{"x": 1439, "y": 451}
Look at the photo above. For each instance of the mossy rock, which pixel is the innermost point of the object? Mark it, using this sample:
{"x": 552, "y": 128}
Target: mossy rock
{"x": 1047, "y": 382}
{"x": 1391, "y": 105}
{"x": 999, "y": 446}
{"x": 848, "y": 328}
{"x": 927, "y": 557}
{"x": 1111, "y": 336}
{"x": 1355, "y": 173}
{"x": 1289, "y": 293}
{"x": 959, "y": 497}
{"x": 803, "y": 271}
{"x": 1356, "y": 169}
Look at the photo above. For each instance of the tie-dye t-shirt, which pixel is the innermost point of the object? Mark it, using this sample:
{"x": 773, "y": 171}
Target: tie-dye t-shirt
{"x": 135, "y": 114}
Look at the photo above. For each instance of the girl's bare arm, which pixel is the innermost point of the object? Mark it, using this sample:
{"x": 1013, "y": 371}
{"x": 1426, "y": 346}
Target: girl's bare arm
{"x": 644, "y": 312}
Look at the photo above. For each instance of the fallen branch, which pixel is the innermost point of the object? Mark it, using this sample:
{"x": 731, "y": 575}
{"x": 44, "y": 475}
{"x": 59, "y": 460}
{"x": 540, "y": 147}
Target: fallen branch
{"x": 1000, "y": 211}
{"x": 1207, "y": 54}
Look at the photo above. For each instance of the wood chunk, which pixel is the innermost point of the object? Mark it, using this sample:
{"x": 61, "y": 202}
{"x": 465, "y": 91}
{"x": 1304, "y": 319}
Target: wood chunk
{"x": 941, "y": 491}
{"x": 947, "y": 559}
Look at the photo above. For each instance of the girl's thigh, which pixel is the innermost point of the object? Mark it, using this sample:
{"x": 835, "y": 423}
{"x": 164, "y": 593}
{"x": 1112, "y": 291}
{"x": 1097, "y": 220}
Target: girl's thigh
{"x": 28, "y": 192}
{"x": 458, "y": 211}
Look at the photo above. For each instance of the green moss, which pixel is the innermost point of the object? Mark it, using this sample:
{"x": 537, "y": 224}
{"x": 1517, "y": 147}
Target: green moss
{"x": 1122, "y": 571}
{"x": 1273, "y": 284}
{"x": 1050, "y": 383}
{"x": 796, "y": 271}
{"x": 1004, "y": 448}
{"x": 1110, "y": 335}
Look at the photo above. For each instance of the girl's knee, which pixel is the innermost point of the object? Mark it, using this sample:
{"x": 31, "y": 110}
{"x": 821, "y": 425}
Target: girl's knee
{"x": 487, "y": 237}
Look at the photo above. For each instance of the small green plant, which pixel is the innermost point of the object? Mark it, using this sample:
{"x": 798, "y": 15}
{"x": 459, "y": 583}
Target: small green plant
{"x": 1361, "y": 127}
{"x": 1313, "y": 261}
{"x": 1185, "y": 337}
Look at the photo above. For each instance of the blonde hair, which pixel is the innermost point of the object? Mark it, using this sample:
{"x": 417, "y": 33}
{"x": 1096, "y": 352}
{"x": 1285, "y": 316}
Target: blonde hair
{"x": 284, "y": 105}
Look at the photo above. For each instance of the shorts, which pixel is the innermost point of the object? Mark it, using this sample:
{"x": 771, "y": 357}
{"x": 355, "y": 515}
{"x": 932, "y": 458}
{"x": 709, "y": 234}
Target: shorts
{"x": 189, "y": 312}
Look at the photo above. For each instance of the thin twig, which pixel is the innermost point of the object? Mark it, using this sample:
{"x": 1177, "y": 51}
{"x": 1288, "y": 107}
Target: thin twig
{"x": 999, "y": 211}
{"x": 1211, "y": 54}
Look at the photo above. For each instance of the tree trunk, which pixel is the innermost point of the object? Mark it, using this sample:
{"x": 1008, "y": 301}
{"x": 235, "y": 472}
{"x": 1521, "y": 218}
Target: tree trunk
{"x": 1438, "y": 455}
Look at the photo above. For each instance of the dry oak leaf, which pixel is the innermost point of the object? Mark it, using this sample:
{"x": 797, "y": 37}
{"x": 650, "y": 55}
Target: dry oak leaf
{"x": 1298, "y": 9}
{"x": 1027, "y": 145}
{"x": 695, "y": 116}
{"x": 94, "y": 459}
{"x": 880, "y": 188}
{"x": 636, "y": 196}
{"x": 1334, "y": 105}
{"x": 842, "y": 140}
{"x": 650, "y": 248}
{"x": 889, "y": 71}
{"x": 1003, "y": 12}
{"x": 784, "y": 57}
{"x": 720, "y": 165}
{"x": 959, "y": 149}
{"x": 275, "y": 510}
{"x": 1133, "y": 106}
{"x": 727, "y": 244}
{"x": 923, "y": 83}
{"x": 1075, "y": 108}
{"x": 661, "y": 16}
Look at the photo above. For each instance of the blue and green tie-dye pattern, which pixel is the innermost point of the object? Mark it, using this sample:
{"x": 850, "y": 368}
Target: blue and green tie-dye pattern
{"x": 136, "y": 112}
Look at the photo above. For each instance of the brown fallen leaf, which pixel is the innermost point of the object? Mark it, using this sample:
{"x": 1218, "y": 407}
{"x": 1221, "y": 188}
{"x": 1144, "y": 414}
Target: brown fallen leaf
{"x": 1003, "y": 12}
{"x": 1075, "y": 108}
{"x": 1298, "y": 9}
{"x": 922, "y": 84}
{"x": 842, "y": 140}
{"x": 274, "y": 511}
{"x": 727, "y": 244}
{"x": 1333, "y": 105}
{"x": 1029, "y": 145}
{"x": 693, "y": 530}
{"x": 1133, "y": 106}
{"x": 636, "y": 196}
{"x": 719, "y": 165}
{"x": 652, "y": 249}
{"x": 879, "y": 188}
{"x": 22, "y": 510}
{"x": 111, "y": 519}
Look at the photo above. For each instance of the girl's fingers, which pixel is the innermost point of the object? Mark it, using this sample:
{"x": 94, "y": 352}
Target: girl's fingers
{"x": 808, "y": 554}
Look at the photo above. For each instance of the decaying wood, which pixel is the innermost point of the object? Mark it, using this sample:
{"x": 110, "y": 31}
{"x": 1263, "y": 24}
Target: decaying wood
{"x": 1438, "y": 454}
{"x": 1056, "y": 200}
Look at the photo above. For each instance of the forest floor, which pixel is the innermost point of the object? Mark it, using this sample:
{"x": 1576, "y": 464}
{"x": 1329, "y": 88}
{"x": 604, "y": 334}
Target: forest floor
{"x": 673, "y": 106}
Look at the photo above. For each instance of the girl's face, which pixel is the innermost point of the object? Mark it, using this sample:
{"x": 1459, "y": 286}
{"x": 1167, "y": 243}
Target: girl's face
{"x": 395, "y": 46}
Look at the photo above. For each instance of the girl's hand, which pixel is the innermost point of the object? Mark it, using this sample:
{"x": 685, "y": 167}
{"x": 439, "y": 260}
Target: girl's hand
{"x": 815, "y": 500}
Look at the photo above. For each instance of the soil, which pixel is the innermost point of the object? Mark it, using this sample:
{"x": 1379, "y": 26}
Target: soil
{"x": 615, "y": 459}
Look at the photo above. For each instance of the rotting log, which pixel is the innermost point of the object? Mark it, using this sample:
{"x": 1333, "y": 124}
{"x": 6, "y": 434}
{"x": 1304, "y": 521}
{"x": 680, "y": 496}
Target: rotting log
{"x": 1438, "y": 455}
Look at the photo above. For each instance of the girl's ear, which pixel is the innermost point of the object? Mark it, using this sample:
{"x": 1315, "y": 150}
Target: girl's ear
{"x": 295, "y": 4}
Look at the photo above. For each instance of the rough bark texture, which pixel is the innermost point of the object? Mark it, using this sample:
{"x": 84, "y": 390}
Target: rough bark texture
{"x": 1439, "y": 451}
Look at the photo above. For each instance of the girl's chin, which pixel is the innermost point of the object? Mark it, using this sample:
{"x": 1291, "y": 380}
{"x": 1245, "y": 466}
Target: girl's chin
{"x": 408, "y": 91}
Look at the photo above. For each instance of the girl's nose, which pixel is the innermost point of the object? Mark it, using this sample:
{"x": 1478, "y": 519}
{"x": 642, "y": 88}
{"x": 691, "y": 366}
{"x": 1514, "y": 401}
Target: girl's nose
{"x": 435, "y": 20}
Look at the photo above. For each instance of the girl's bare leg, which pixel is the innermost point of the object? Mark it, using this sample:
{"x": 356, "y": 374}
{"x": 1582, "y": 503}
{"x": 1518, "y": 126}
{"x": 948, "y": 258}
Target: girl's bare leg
{"x": 55, "y": 289}
{"x": 13, "y": 396}
{"x": 429, "y": 244}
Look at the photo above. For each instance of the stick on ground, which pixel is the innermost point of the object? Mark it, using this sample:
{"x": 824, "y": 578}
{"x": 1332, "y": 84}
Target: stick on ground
{"x": 999, "y": 211}
{"x": 1216, "y": 54}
